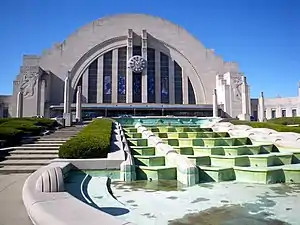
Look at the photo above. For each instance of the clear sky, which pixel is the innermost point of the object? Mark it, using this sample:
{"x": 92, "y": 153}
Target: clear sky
{"x": 263, "y": 36}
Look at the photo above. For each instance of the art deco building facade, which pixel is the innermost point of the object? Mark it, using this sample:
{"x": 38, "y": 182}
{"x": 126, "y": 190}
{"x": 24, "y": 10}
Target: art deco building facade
{"x": 130, "y": 64}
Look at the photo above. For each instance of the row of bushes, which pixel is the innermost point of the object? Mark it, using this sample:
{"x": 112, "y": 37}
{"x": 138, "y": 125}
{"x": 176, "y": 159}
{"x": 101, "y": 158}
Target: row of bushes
{"x": 92, "y": 142}
{"x": 278, "y": 127}
{"x": 286, "y": 120}
{"x": 13, "y": 129}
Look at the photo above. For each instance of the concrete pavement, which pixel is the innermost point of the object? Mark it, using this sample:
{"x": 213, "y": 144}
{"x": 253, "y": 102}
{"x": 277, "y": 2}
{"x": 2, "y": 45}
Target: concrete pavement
{"x": 12, "y": 210}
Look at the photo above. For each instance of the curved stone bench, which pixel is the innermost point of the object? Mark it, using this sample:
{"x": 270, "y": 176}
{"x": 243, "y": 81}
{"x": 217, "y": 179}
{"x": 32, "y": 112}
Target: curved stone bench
{"x": 47, "y": 203}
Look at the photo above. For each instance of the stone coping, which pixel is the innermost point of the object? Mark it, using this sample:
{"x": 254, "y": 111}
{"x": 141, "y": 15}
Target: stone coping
{"x": 59, "y": 208}
{"x": 257, "y": 135}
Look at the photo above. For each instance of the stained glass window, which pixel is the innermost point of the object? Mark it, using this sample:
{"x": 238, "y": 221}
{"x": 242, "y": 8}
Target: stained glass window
{"x": 151, "y": 75}
{"x": 107, "y": 73}
{"x": 178, "y": 83}
{"x": 92, "y": 82}
{"x": 122, "y": 61}
{"x": 164, "y": 76}
{"x": 137, "y": 87}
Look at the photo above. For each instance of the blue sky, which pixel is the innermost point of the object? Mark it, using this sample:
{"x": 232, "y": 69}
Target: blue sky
{"x": 263, "y": 36}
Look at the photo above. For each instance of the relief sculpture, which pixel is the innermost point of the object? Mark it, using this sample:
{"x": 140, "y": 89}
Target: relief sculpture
{"x": 28, "y": 84}
{"x": 236, "y": 88}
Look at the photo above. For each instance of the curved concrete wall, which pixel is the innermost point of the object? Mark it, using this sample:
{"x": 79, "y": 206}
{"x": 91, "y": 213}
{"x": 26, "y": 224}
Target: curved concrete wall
{"x": 47, "y": 204}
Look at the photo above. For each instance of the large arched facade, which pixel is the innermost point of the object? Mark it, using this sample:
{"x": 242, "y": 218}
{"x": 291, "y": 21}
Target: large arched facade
{"x": 129, "y": 61}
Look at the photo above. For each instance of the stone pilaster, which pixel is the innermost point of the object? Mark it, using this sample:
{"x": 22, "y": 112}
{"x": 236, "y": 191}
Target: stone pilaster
{"x": 129, "y": 72}
{"x": 227, "y": 99}
{"x": 261, "y": 106}
{"x": 144, "y": 73}
{"x": 42, "y": 98}
{"x": 78, "y": 104}
{"x": 85, "y": 85}
{"x": 157, "y": 77}
{"x": 215, "y": 103}
{"x": 171, "y": 81}
{"x": 100, "y": 80}
{"x": 245, "y": 101}
{"x": 67, "y": 102}
{"x": 20, "y": 99}
{"x": 114, "y": 79}
{"x": 185, "y": 89}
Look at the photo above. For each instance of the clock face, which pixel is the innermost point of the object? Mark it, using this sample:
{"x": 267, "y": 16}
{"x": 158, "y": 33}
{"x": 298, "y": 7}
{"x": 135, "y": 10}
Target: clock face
{"x": 137, "y": 63}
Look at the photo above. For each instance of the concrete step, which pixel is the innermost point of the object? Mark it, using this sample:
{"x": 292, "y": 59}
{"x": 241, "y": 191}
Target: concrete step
{"x": 55, "y": 138}
{"x": 23, "y": 152}
{"x": 32, "y": 156}
{"x": 54, "y": 141}
{"x": 24, "y": 162}
{"x": 18, "y": 169}
{"x": 51, "y": 140}
{"x": 42, "y": 145}
{"x": 36, "y": 147}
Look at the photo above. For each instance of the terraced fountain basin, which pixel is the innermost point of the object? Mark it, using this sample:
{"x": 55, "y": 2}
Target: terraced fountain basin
{"x": 150, "y": 166}
{"x": 191, "y": 134}
{"x": 226, "y": 150}
{"x": 207, "y": 142}
{"x": 178, "y": 129}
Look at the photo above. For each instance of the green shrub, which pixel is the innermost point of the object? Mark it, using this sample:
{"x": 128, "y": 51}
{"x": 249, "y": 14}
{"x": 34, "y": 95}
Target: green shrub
{"x": 285, "y": 120}
{"x": 12, "y": 129}
{"x": 44, "y": 122}
{"x": 11, "y": 135}
{"x": 274, "y": 126}
{"x": 92, "y": 142}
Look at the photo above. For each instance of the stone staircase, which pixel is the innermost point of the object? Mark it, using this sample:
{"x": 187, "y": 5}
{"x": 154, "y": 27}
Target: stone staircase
{"x": 36, "y": 151}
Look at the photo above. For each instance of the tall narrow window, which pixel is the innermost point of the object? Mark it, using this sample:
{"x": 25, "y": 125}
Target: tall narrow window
{"x": 294, "y": 112}
{"x": 191, "y": 93}
{"x": 178, "y": 83}
{"x": 122, "y": 60}
{"x": 283, "y": 113}
{"x": 151, "y": 75}
{"x": 164, "y": 77}
{"x": 273, "y": 113}
{"x": 92, "y": 82}
{"x": 137, "y": 79}
{"x": 137, "y": 87}
{"x": 107, "y": 74}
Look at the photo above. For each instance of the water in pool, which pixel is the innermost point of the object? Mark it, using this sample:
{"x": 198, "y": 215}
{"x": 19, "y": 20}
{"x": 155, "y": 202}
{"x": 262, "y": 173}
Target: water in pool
{"x": 168, "y": 202}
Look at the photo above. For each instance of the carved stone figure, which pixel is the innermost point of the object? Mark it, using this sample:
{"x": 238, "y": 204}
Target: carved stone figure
{"x": 237, "y": 92}
{"x": 28, "y": 83}
{"x": 137, "y": 63}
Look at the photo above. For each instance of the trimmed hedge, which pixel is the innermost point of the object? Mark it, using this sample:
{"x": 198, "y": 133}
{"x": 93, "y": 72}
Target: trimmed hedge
{"x": 92, "y": 142}
{"x": 274, "y": 126}
{"x": 285, "y": 120}
{"x": 13, "y": 129}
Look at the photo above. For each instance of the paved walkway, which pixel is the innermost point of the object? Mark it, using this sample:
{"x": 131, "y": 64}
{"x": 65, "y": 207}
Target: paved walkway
{"x": 12, "y": 209}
